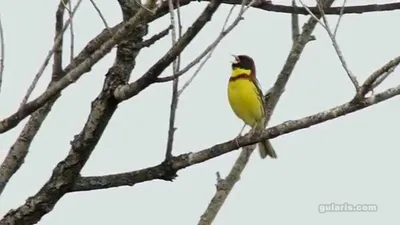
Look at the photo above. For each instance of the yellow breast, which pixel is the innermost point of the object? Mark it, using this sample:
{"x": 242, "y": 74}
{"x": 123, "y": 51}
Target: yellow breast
{"x": 245, "y": 101}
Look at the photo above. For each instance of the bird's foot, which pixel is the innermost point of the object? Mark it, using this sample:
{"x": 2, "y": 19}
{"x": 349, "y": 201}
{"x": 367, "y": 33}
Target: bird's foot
{"x": 237, "y": 137}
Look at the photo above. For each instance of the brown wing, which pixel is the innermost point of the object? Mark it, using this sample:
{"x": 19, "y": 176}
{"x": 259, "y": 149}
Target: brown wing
{"x": 259, "y": 91}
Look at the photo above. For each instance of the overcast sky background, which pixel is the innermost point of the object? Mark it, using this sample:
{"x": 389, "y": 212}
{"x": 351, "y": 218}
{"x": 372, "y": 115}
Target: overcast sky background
{"x": 352, "y": 159}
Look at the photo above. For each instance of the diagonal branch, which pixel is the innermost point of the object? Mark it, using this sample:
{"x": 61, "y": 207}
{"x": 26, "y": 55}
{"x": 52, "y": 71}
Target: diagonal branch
{"x": 183, "y": 161}
{"x": 372, "y": 81}
{"x": 100, "y": 14}
{"x": 125, "y": 92}
{"x": 175, "y": 82}
{"x": 71, "y": 32}
{"x": 75, "y": 73}
{"x": 153, "y": 39}
{"x": 335, "y": 44}
{"x": 57, "y": 42}
{"x": 206, "y": 53}
{"x": 295, "y": 24}
{"x": 103, "y": 108}
{"x": 20, "y": 148}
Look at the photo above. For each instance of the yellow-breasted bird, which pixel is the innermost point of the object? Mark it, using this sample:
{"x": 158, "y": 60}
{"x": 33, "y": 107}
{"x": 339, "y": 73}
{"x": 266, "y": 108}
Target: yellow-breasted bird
{"x": 246, "y": 98}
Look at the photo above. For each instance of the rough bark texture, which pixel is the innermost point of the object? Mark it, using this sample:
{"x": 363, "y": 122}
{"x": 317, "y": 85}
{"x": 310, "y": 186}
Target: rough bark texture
{"x": 103, "y": 107}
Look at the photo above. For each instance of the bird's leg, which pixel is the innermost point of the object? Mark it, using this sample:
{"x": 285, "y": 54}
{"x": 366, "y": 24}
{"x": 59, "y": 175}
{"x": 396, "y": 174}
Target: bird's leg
{"x": 240, "y": 134}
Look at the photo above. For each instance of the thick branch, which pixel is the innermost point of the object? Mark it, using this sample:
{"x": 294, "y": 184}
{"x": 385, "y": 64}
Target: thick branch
{"x": 103, "y": 107}
{"x": 190, "y": 159}
{"x": 71, "y": 76}
{"x": 127, "y": 91}
{"x": 19, "y": 149}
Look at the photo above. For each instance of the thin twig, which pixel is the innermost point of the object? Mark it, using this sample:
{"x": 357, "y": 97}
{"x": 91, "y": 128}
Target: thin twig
{"x": 201, "y": 56}
{"x": 58, "y": 50}
{"x": 48, "y": 57}
{"x": 295, "y": 24}
{"x": 382, "y": 78}
{"x": 72, "y": 35}
{"x": 210, "y": 49}
{"x": 175, "y": 82}
{"x": 227, "y": 18}
{"x": 339, "y": 53}
{"x": 379, "y": 76}
{"x": 101, "y": 15}
{"x": 340, "y": 18}
{"x": 2, "y": 55}
{"x": 153, "y": 39}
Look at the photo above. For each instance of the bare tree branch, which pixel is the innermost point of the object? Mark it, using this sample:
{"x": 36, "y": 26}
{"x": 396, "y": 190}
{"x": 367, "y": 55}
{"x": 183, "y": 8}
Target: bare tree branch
{"x": 74, "y": 74}
{"x": 20, "y": 148}
{"x": 59, "y": 38}
{"x": 206, "y": 53}
{"x": 295, "y": 23}
{"x": 100, "y": 14}
{"x": 47, "y": 60}
{"x": 153, "y": 39}
{"x": 159, "y": 172}
{"x": 295, "y": 26}
{"x": 175, "y": 82}
{"x": 340, "y": 18}
{"x": 72, "y": 35}
{"x": 371, "y": 82}
{"x": 125, "y": 92}
{"x": 103, "y": 107}
{"x": 339, "y": 53}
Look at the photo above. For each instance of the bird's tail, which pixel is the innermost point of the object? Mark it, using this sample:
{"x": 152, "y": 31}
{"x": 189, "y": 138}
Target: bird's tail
{"x": 265, "y": 148}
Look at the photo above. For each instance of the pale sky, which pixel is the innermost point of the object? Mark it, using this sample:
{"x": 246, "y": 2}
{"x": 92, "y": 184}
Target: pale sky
{"x": 351, "y": 160}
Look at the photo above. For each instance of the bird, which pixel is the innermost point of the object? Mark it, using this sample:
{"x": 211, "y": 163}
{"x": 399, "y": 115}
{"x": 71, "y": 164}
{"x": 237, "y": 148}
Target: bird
{"x": 246, "y": 99}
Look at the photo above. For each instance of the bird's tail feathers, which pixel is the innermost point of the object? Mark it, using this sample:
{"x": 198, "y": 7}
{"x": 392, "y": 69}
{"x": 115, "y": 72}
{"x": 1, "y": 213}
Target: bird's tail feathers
{"x": 265, "y": 148}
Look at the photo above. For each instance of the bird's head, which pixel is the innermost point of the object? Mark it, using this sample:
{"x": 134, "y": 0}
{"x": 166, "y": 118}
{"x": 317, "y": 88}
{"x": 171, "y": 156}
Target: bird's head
{"x": 243, "y": 62}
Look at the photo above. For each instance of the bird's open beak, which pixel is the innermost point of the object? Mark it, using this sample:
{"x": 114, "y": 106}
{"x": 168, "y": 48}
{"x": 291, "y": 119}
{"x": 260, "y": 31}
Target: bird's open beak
{"x": 236, "y": 59}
